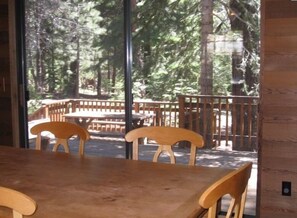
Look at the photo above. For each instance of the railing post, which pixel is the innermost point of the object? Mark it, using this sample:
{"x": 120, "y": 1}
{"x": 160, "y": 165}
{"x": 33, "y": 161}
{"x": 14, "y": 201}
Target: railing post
{"x": 181, "y": 111}
{"x": 73, "y": 105}
{"x": 67, "y": 107}
{"x": 45, "y": 111}
{"x": 136, "y": 107}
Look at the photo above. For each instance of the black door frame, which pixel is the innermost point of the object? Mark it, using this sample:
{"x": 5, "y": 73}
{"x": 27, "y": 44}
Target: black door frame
{"x": 21, "y": 74}
{"x": 128, "y": 73}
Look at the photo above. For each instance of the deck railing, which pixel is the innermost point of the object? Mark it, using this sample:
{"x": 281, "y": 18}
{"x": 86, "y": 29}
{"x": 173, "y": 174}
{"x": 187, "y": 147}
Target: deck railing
{"x": 221, "y": 120}
{"x": 228, "y": 120}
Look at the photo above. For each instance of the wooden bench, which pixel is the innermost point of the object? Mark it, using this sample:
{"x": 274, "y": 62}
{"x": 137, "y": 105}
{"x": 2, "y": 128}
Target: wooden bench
{"x": 110, "y": 125}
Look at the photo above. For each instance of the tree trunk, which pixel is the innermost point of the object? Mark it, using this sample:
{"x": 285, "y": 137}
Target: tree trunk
{"x": 38, "y": 82}
{"x": 71, "y": 84}
{"x": 114, "y": 69}
{"x": 76, "y": 83}
{"x": 206, "y": 77}
{"x": 99, "y": 81}
{"x": 239, "y": 13}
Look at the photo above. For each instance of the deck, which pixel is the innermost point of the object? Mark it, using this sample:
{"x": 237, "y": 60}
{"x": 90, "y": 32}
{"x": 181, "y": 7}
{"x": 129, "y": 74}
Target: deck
{"x": 231, "y": 120}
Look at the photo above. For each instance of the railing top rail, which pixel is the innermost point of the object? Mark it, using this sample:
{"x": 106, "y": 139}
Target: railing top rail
{"x": 219, "y": 96}
{"x": 53, "y": 102}
{"x": 49, "y": 102}
{"x": 108, "y": 100}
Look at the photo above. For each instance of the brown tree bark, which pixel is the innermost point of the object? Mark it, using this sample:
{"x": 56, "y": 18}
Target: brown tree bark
{"x": 206, "y": 77}
{"x": 239, "y": 11}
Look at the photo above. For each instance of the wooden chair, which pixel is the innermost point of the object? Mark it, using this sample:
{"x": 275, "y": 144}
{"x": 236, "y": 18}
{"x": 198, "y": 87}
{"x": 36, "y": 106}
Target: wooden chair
{"x": 62, "y": 131}
{"x": 234, "y": 184}
{"x": 20, "y": 203}
{"x": 165, "y": 137}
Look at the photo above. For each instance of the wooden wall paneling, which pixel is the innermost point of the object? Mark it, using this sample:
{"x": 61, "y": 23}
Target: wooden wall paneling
{"x": 280, "y": 9}
{"x": 6, "y": 133}
{"x": 283, "y": 96}
{"x": 278, "y": 109}
{"x": 283, "y": 62}
{"x": 15, "y": 90}
{"x": 272, "y": 149}
{"x": 288, "y": 71}
{"x": 273, "y": 132}
{"x": 284, "y": 115}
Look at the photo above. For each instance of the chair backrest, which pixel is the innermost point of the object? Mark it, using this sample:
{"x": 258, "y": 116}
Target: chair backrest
{"x": 234, "y": 184}
{"x": 165, "y": 137}
{"x": 62, "y": 131}
{"x": 20, "y": 203}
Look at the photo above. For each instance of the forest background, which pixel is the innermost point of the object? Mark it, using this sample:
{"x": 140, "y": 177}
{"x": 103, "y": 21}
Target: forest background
{"x": 75, "y": 48}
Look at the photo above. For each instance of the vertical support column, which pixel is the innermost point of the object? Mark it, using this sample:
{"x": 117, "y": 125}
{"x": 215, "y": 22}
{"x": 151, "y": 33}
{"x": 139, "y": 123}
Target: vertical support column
{"x": 128, "y": 73}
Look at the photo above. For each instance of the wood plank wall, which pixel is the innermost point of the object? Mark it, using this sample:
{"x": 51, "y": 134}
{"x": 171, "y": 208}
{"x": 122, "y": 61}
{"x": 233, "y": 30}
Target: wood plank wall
{"x": 6, "y": 133}
{"x": 278, "y": 109}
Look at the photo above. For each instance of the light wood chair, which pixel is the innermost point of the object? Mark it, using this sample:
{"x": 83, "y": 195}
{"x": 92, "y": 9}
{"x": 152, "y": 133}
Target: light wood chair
{"x": 63, "y": 131}
{"x": 20, "y": 203}
{"x": 234, "y": 184}
{"x": 165, "y": 137}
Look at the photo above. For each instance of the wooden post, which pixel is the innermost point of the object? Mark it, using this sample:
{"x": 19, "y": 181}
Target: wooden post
{"x": 181, "y": 111}
{"x": 136, "y": 107}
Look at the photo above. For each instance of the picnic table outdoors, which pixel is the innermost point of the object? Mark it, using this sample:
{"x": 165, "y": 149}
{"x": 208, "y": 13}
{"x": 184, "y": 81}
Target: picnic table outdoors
{"x": 85, "y": 118}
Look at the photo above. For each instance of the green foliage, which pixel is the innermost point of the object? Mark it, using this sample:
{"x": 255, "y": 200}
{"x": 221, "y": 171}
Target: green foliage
{"x": 70, "y": 42}
{"x": 58, "y": 34}
{"x": 33, "y": 105}
{"x": 222, "y": 75}
{"x": 166, "y": 45}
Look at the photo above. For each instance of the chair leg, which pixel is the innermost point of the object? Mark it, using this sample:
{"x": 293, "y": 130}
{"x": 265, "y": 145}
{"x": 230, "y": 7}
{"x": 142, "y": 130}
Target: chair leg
{"x": 242, "y": 203}
{"x": 16, "y": 214}
{"x": 219, "y": 206}
{"x": 212, "y": 211}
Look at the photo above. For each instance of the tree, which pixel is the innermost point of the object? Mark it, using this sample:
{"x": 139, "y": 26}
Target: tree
{"x": 111, "y": 61}
{"x": 73, "y": 42}
{"x": 244, "y": 17}
{"x": 166, "y": 46}
{"x": 61, "y": 44}
{"x": 206, "y": 77}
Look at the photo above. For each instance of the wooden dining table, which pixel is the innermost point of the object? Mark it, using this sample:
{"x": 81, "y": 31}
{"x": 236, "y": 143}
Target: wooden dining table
{"x": 70, "y": 186}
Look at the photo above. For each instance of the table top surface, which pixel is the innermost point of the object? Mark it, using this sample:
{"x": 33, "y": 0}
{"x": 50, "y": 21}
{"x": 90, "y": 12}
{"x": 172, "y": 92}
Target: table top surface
{"x": 105, "y": 115}
{"x": 66, "y": 185}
